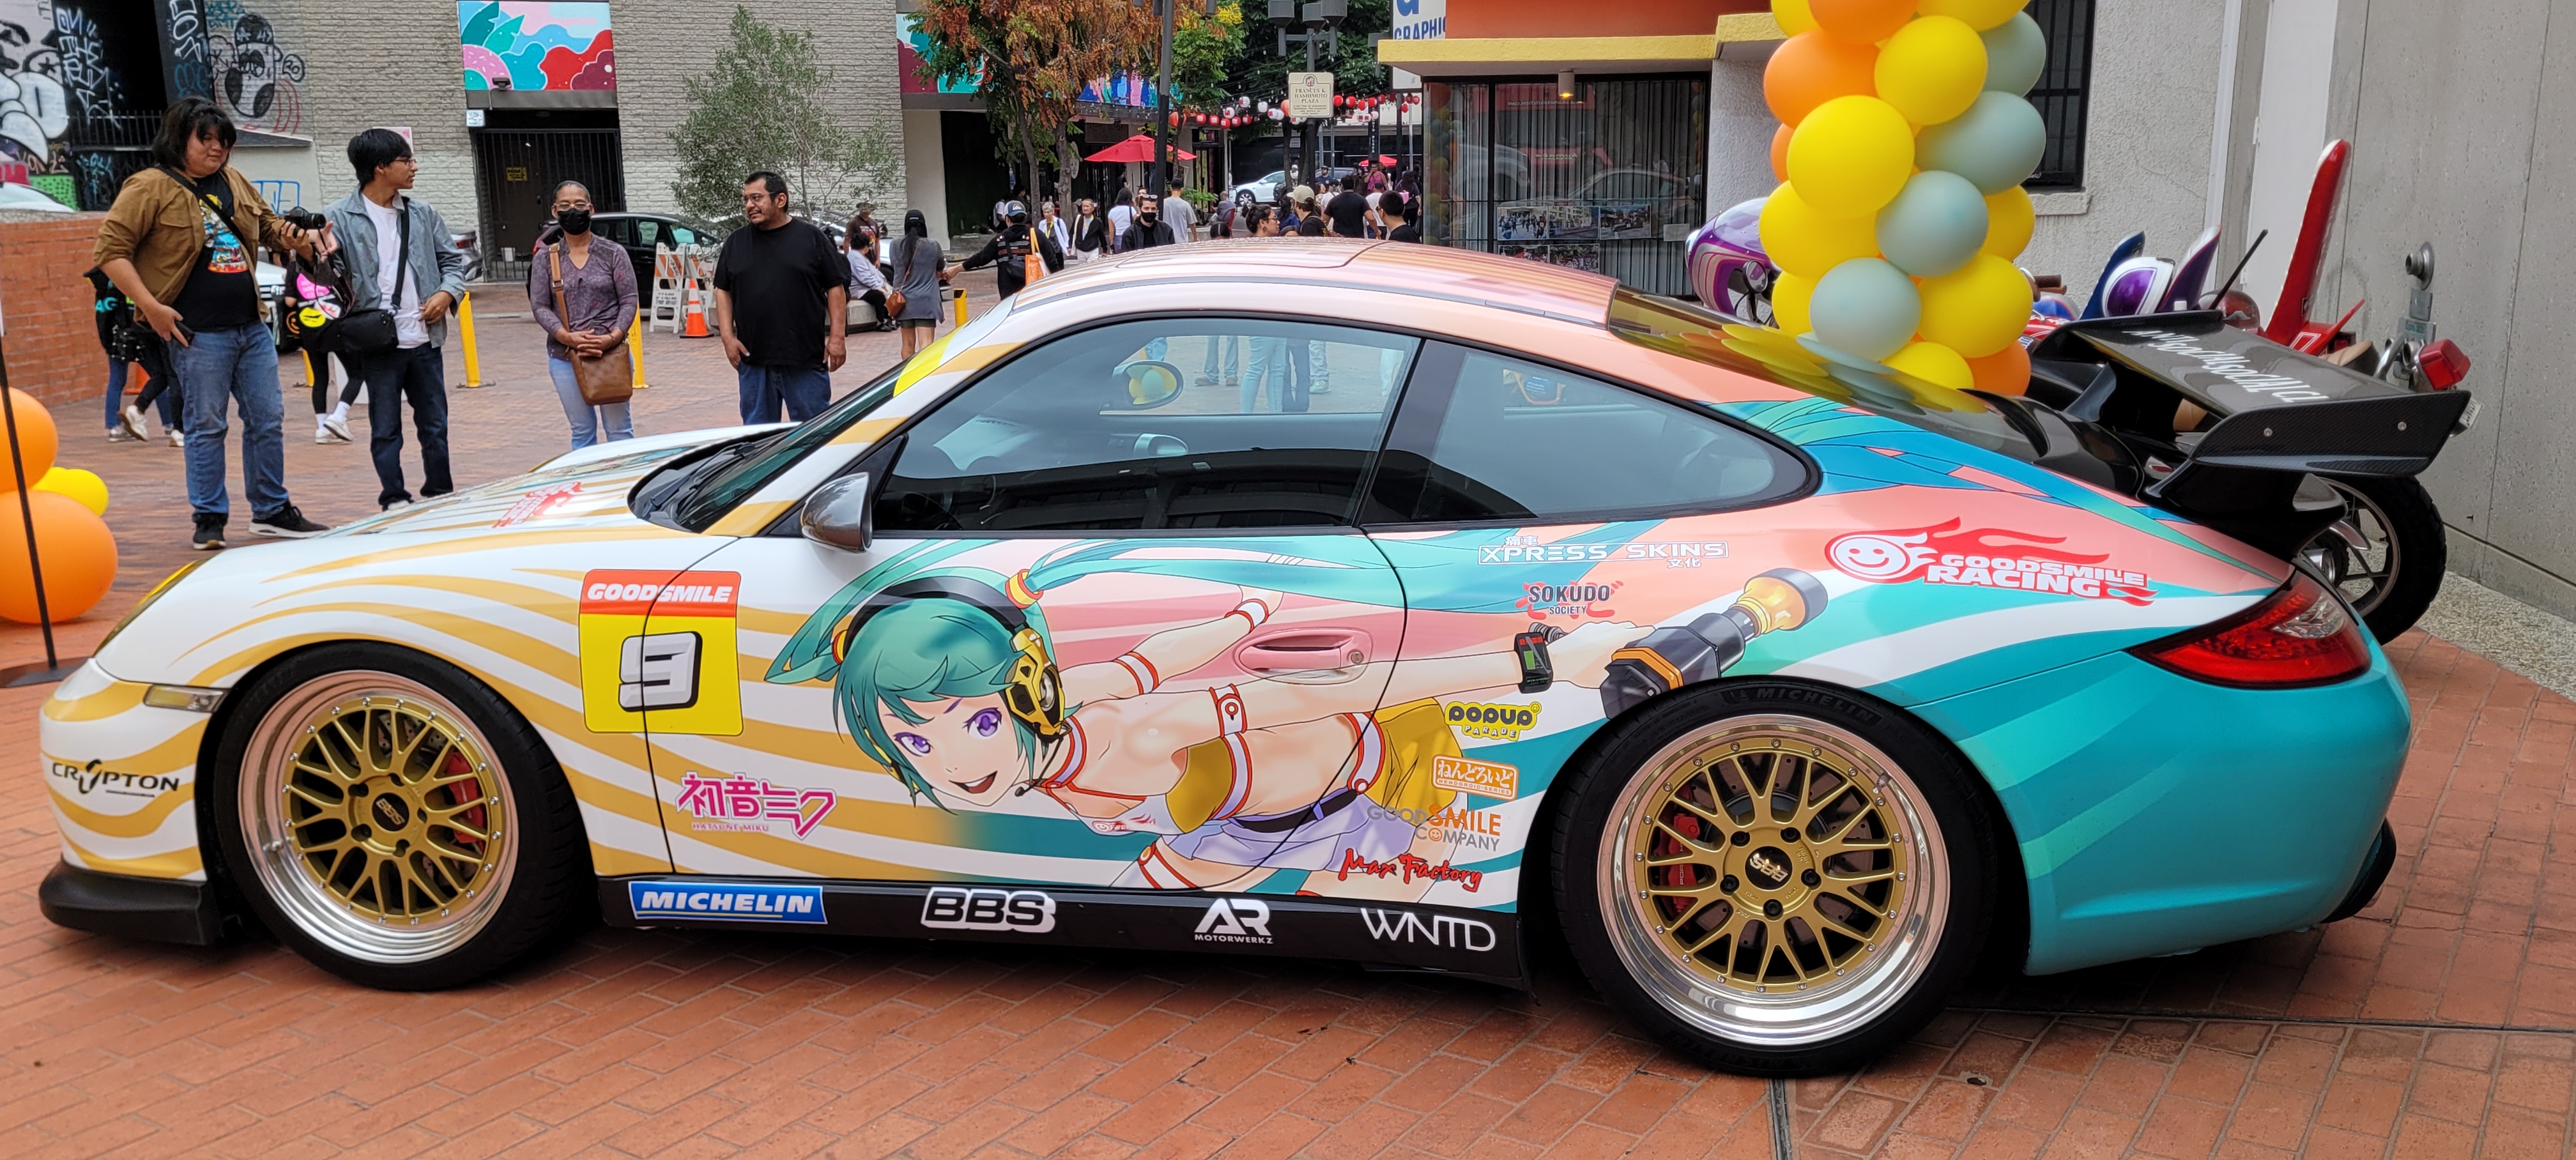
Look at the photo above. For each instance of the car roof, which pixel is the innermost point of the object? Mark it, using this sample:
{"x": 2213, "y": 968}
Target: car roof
{"x": 1442, "y": 272}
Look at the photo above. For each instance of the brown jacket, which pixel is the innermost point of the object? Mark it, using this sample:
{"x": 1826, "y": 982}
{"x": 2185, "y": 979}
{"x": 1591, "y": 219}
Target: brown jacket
{"x": 155, "y": 224}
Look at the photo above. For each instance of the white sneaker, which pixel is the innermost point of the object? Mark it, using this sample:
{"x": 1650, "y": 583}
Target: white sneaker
{"x": 325, "y": 432}
{"x": 337, "y": 423}
{"x": 121, "y": 435}
{"x": 131, "y": 418}
{"x": 178, "y": 440}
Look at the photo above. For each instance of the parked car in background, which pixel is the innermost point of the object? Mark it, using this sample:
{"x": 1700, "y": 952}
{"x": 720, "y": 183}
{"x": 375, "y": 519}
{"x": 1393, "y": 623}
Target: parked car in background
{"x": 16, "y": 196}
{"x": 641, "y": 233}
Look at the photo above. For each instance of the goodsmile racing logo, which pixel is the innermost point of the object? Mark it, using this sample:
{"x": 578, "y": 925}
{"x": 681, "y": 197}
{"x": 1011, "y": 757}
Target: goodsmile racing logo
{"x": 1984, "y": 558}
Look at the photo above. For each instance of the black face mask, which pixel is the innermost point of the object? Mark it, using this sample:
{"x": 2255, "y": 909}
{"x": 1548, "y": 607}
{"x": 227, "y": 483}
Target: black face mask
{"x": 574, "y": 221}
{"x": 1146, "y": 218}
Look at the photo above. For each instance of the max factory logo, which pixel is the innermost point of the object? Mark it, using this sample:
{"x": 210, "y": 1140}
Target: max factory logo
{"x": 742, "y": 804}
{"x": 1412, "y": 868}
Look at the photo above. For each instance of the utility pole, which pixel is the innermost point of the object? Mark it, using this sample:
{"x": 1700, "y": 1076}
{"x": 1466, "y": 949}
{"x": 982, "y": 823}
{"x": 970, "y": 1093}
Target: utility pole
{"x": 1318, "y": 20}
{"x": 1163, "y": 105}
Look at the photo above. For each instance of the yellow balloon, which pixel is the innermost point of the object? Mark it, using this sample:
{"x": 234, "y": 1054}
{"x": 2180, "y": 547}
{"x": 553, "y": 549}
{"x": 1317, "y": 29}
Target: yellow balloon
{"x": 1851, "y": 156}
{"x": 1932, "y": 69}
{"x": 1934, "y": 363}
{"x": 1793, "y": 16}
{"x": 2009, "y": 219}
{"x": 1801, "y": 241}
{"x": 1977, "y": 14}
{"x": 75, "y": 483}
{"x": 1789, "y": 295}
{"x": 1977, "y": 310}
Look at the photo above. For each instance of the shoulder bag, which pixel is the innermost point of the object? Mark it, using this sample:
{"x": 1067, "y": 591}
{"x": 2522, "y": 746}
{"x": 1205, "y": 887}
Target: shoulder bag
{"x": 372, "y": 330}
{"x": 605, "y": 378}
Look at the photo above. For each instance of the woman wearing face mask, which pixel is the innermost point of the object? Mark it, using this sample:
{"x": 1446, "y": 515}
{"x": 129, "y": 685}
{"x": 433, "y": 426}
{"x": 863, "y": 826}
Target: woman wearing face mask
{"x": 599, "y": 307}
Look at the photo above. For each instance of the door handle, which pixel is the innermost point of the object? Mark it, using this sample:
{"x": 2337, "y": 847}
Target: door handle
{"x": 1305, "y": 652}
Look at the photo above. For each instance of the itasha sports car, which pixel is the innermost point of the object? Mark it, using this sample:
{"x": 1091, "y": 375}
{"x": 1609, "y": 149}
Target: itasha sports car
{"x": 1317, "y": 599}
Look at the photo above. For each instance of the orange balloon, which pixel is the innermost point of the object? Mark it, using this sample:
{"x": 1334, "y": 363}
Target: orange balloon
{"x": 1780, "y": 151}
{"x": 78, "y": 552}
{"x": 36, "y": 440}
{"x": 2005, "y": 372}
{"x": 1861, "y": 21}
{"x": 1812, "y": 68}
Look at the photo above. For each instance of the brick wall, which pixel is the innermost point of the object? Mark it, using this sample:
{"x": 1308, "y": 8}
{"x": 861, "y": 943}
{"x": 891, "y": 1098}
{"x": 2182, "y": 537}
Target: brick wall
{"x": 52, "y": 336}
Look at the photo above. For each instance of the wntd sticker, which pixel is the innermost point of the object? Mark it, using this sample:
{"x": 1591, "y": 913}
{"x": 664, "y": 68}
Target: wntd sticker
{"x": 743, "y": 804}
{"x": 681, "y": 667}
{"x": 1984, "y": 558}
{"x": 1481, "y": 778}
{"x": 1498, "y": 722}
{"x": 740, "y": 901}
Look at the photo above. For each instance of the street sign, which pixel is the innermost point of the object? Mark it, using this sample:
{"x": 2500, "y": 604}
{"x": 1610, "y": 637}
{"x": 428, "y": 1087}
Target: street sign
{"x": 1310, "y": 94}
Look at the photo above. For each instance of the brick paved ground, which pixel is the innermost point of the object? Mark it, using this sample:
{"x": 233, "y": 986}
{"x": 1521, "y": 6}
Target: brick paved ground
{"x": 2440, "y": 1022}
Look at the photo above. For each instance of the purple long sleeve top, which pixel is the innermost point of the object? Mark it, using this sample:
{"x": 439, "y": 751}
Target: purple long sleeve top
{"x": 599, "y": 293}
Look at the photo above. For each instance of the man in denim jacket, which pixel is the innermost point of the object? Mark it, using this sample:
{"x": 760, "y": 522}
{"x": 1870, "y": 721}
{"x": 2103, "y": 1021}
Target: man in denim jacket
{"x": 370, "y": 225}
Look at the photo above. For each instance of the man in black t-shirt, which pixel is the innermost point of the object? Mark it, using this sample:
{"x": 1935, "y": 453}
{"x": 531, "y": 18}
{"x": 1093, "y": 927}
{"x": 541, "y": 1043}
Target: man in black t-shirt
{"x": 782, "y": 295}
{"x": 1349, "y": 209}
{"x": 1392, "y": 208}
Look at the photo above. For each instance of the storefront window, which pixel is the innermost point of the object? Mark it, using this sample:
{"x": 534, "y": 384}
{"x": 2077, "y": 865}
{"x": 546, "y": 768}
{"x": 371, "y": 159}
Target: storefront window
{"x": 1612, "y": 180}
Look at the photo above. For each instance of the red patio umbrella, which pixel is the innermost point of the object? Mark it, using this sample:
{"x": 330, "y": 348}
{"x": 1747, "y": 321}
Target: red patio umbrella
{"x": 1138, "y": 148}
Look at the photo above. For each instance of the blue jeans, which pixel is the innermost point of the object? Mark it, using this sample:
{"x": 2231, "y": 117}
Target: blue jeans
{"x": 417, "y": 374}
{"x": 168, "y": 399}
{"x": 218, "y": 367}
{"x": 805, "y": 391}
{"x": 587, "y": 418}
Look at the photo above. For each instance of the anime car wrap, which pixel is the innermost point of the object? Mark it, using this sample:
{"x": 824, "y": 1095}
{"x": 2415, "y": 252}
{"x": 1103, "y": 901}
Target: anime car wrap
{"x": 1338, "y": 742}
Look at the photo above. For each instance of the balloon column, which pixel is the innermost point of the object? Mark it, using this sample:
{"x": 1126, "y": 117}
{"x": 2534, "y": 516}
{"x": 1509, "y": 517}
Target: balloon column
{"x": 1903, "y": 144}
{"x": 78, "y": 552}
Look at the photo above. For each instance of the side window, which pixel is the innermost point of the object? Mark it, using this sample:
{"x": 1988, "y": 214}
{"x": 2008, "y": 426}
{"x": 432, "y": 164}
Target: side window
{"x": 618, "y": 230}
{"x": 1486, "y": 437}
{"x": 1172, "y": 423}
{"x": 647, "y": 231}
{"x": 683, "y": 236}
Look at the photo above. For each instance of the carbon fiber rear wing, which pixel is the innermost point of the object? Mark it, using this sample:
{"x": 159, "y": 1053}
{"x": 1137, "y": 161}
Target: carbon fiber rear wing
{"x": 2281, "y": 415}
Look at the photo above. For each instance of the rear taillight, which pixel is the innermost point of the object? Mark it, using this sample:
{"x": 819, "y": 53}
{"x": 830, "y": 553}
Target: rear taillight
{"x": 2442, "y": 364}
{"x": 2300, "y": 635}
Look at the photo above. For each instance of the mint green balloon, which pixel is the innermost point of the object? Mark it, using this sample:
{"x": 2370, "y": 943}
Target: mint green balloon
{"x": 1996, "y": 144}
{"x": 1934, "y": 226}
{"x": 2016, "y": 52}
{"x": 1865, "y": 307}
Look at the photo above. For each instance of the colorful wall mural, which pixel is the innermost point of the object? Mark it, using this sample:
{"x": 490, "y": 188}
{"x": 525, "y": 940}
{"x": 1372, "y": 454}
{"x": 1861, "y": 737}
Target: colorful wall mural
{"x": 526, "y": 46}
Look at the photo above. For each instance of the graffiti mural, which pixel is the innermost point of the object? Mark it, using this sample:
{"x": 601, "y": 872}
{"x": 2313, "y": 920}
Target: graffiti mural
{"x": 255, "y": 80}
{"x": 516, "y": 45}
{"x": 185, "y": 28}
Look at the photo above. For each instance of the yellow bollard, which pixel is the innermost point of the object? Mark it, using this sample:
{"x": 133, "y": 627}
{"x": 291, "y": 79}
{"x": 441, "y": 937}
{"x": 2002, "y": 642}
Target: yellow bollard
{"x": 960, "y": 292}
{"x": 465, "y": 321}
{"x": 635, "y": 347}
{"x": 308, "y": 367}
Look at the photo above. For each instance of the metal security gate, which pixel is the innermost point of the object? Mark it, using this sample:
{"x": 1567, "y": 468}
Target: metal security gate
{"x": 516, "y": 173}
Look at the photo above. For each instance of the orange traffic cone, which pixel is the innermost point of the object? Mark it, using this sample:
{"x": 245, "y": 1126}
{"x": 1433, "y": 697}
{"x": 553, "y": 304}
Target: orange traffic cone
{"x": 693, "y": 316}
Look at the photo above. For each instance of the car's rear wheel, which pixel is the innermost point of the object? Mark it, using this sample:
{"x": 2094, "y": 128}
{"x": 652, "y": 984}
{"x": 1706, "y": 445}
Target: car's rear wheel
{"x": 394, "y": 820}
{"x": 1779, "y": 878}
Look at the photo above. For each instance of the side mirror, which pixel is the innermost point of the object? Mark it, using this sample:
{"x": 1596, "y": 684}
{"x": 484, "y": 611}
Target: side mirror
{"x": 839, "y": 514}
{"x": 1150, "y": 384}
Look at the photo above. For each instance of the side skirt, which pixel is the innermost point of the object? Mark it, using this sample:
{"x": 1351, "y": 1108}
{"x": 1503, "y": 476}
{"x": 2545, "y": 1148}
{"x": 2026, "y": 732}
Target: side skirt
{"x": 1477, "y": 944}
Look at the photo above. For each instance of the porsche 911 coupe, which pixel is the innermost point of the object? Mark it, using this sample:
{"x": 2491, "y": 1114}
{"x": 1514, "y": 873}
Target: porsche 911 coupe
{"x": 1319, "y": 599}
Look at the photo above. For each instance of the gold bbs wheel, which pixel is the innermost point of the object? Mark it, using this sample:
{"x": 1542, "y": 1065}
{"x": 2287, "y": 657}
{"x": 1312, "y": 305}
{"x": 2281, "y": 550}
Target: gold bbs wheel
{"x": 1773, "y": 879}
{"x": 377, "y": 818}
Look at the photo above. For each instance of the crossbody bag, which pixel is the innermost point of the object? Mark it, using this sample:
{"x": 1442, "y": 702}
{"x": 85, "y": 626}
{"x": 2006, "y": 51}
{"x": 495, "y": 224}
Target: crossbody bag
{"x": 372, "y": 330}
{"x": 608, "y": 377}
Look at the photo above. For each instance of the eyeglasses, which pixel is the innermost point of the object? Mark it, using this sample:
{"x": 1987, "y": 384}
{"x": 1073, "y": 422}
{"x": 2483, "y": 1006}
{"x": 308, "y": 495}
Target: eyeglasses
{"x": 572, "y": 203}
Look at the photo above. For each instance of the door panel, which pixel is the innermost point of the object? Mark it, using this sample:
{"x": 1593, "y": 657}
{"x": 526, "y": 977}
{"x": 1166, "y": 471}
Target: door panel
{"x": 1218, "y": 729}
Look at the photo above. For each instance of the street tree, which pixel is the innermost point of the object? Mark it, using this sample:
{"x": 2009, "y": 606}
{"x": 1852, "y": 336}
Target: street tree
{"x": 758, "y": 106}
{"x": 1029, "y": 61}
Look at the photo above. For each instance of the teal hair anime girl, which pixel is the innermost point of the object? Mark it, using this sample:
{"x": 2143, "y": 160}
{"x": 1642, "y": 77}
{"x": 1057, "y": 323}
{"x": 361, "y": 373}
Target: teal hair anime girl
{"x": 945, "y": 675}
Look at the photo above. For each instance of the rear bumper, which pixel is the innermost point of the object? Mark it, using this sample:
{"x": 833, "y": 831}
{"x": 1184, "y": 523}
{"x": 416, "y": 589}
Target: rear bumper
{"x": 2157, "y": 814}
{"x": 153, "y": 909}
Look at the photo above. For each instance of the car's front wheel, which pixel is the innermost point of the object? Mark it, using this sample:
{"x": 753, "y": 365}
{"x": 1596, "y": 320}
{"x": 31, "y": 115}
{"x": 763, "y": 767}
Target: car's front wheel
{"x": 1778, "y": 878}
{"x": 393, "y": 820}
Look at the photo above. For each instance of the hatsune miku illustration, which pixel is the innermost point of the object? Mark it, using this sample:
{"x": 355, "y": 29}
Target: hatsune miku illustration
{"x": 946, "y": 675}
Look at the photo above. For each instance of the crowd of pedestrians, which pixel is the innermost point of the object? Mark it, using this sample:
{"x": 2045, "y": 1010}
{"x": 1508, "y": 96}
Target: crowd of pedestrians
{"x": 179, "y": 303}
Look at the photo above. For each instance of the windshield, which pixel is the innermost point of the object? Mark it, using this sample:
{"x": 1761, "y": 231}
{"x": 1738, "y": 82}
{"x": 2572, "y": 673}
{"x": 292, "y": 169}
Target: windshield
{"x": 1679, "y": 328}
{"x": 734, "y": 476}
